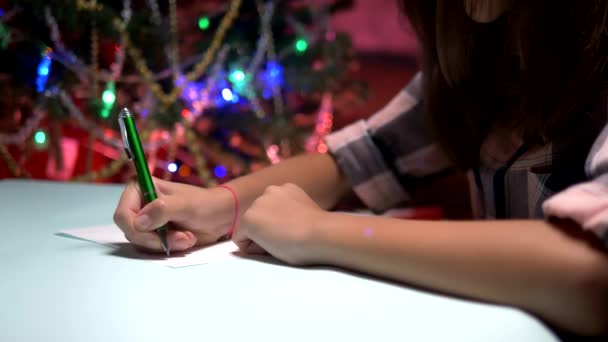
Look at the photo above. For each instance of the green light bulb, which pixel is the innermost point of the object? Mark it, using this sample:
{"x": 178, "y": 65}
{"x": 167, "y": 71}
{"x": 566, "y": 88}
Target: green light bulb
{"x": 40, "y": 137}
{"x": 301, "y": 45}
{"x": 105, "y": 113}
{"x": 237, "y": 76}
{"x": 108, "y": 97}
{"x": 204, "y": 23}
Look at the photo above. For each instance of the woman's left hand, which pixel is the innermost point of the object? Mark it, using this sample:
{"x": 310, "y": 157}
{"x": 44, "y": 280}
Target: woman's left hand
{"x": 281, "y": 222}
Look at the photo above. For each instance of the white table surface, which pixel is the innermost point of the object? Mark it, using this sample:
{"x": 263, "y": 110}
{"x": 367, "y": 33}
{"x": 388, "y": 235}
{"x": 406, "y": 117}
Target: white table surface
{"x": 54, "y": 288}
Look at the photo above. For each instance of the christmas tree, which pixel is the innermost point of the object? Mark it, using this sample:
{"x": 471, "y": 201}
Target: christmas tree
{"x": 219, "y": 88}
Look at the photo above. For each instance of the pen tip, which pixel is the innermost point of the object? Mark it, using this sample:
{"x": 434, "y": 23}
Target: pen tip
{"x": 163, "y": 241}
{"x": 166, "y": 246}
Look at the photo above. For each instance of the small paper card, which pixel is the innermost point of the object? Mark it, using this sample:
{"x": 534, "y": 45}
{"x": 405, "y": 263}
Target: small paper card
{"x": 111, "y": 235}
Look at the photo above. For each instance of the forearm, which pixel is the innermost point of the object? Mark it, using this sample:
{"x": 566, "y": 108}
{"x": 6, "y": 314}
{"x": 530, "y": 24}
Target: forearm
{"x": 317, "y": 174}
{"x": 528, "y": 264}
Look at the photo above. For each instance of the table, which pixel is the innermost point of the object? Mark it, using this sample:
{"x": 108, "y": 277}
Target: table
{"x": 58, "y": 289}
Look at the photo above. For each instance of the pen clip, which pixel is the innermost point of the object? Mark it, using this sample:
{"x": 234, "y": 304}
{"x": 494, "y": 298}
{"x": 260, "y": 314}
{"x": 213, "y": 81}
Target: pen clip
{"x": 123, "y": 132}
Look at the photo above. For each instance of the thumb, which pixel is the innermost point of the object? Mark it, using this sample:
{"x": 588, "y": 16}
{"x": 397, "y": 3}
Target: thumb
{"x": 252, "y": 248}
{"x": 153, "y": 215}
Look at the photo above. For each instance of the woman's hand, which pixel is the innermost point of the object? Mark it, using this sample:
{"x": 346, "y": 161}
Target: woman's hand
{"x": 196, "y": 216}
{"x": 282, "y": 223}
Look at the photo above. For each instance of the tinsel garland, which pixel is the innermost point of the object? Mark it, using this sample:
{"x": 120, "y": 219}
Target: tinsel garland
{"x": 12, "y": 164}
{"x": 199, "y": 69}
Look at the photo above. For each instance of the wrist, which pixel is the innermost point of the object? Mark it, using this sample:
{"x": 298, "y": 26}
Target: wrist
{"x": 317, "y": 240}
{"x": 226, "y": 209}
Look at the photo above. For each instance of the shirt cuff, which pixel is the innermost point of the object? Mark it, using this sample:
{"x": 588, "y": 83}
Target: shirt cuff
{"x": 363, "y": 165}
{"x": 585, "y": 203}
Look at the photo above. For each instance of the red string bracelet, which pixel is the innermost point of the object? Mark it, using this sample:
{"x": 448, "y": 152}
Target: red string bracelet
{"x": 236, "y": 206}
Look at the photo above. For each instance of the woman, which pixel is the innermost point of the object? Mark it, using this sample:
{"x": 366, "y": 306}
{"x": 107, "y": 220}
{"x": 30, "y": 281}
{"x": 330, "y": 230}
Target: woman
{"x": 509, "y": 90}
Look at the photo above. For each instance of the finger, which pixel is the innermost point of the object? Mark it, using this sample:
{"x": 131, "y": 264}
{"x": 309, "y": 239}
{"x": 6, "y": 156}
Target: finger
{"x": 271, "y": 189}
{"x": 129, "y": 204}
{"x": 162, "y": 186}
{"x": 254, "y": 248}
{"x": 239, "y": 236}
{"x": 249, "y": 246}
{"x": 242, "y": 239}
{"x": 147, "y": 241}
{"x": 154, "y": 215}
{"x": 291, "y": 186}
{"x": 294, "y": 190}
{"x": 297, "y": 193}
{"x": 180, "y": 240}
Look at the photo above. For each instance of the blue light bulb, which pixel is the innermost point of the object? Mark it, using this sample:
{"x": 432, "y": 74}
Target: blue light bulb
{"x": 220, "y": 171}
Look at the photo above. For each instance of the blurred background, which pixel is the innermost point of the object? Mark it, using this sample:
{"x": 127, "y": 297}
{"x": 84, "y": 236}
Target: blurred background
{"x": 220, "y": 88}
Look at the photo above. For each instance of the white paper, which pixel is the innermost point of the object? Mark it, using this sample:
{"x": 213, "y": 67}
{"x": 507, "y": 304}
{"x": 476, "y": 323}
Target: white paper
{"x": 111, "y": 235}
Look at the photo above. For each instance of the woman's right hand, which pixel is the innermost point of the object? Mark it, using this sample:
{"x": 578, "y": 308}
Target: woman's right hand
{"x": 196, "y": 216}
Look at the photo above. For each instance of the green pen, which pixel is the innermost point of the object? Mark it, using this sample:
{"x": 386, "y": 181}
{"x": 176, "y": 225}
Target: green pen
{"x": 135, "y": 152}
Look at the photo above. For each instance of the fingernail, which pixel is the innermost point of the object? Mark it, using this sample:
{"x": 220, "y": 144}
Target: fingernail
{"x": 142, "y": 222}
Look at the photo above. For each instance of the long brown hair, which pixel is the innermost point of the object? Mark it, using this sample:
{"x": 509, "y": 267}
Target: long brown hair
{"x": 535, "y": 70}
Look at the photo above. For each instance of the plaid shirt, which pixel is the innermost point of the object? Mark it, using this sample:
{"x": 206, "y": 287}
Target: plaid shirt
{"x": 386, "y": 156}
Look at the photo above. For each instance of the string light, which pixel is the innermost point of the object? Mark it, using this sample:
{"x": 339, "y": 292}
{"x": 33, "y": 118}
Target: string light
{"x": 272, "y": 77}
{"x": 323, "y": 125}
{"x": 184, "y": 171}
{"x": 73, "y": 62}
{"x": 236, "y": 140}
{"x": 237, "y": 76}
{"x": 239, "y": 80}
{"x": 197, "y": 71}
{"x": 203, "y": 23}
{"x": 44, "y": 69}
{"x": 25, "y": 131}
{"x": 40, "y": 137}
{"x": 91, "y": 126}
{"x": 108, "y": 97}
{"x": 301, "y": 45}
{"x": 105, "y": 113}
{"x": 272, "y": 152}
{"x": 220, "y": 171}
{"x": 227, "y": 94}
{"x": 274, "y": 69}
{"x": 197, "y": 95}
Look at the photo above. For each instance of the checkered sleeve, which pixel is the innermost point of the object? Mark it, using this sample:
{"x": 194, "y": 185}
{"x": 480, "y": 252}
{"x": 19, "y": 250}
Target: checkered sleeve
{"x": 587, "y": 202}
{"x": 385, "y": 155}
